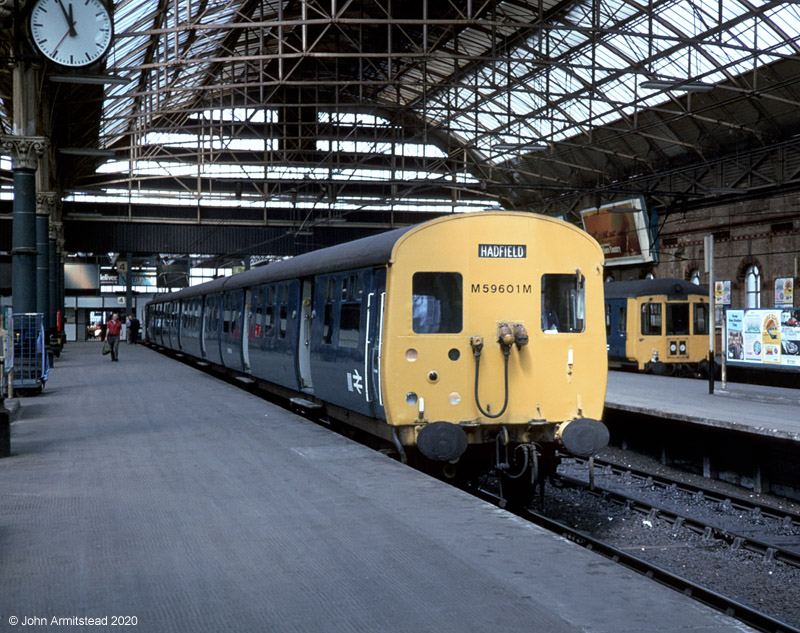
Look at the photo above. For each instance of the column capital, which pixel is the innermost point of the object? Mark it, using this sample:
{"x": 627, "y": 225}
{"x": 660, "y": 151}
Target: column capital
{"x": 25, "y": 151}
{"x": 46, "y": 202}
{"x": 56, "y": 231}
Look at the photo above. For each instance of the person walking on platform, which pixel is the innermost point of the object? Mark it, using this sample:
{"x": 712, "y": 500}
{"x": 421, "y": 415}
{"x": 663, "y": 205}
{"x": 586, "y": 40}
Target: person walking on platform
{"x": 113, "y": 329}
{"x": 133, "y": 329}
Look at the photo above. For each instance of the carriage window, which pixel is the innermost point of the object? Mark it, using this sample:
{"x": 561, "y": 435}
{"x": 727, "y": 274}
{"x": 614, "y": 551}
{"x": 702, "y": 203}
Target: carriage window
{"x": 677, "y": 318}
{"x": 608, "y": 320}
{"x": 651, "y": 319}
{"x": 327, "y": 324}
{"x": 284, "y": 310}
{"x": 563, "y": 303}
{"x": 257, "y": 314}
{"x": 623, "y": 320}
{"x": 700, "y": 318}
{"x": 437, "y": 303}
{"x": 269, "y": 312}
{"x": 349, "y": 320}
{"x": 227, "y": 317}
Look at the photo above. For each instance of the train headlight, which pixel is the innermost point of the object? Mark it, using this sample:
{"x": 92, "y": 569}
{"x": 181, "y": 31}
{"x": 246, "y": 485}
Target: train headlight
{"x": 454, "y": 398}
{"x": 683, "y": 347}
{"x": 411, "y": 398}
{"x": 673, "y": 348}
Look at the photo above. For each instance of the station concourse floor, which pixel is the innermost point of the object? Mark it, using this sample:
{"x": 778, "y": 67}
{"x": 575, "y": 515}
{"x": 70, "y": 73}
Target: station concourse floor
{"x": 149, "y": 489}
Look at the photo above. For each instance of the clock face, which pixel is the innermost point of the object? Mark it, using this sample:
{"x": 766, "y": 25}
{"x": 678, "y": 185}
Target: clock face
{"x": 71, "y": 32}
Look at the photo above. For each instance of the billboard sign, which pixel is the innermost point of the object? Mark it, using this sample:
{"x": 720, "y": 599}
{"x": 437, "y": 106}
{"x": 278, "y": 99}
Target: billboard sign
{"x": 770, "y": 337}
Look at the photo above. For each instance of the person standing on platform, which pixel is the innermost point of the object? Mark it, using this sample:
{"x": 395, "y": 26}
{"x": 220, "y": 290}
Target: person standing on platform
{"x": 113, "y": 329}
{"x": 133, "y": 328}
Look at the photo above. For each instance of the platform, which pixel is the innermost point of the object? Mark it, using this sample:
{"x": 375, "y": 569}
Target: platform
{"x": 755, "y": 409}
{"x": 146, "y": 488}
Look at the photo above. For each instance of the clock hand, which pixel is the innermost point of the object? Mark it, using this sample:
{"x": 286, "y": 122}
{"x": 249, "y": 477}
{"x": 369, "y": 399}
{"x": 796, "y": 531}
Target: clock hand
{"x": 59, "y": 42}
{"x": 71, "y": 22}
{"x": 68, "y": 17}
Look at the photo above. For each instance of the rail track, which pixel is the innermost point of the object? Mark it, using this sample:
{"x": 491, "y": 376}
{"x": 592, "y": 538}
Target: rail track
{"x": 751, "y": 505}
{"x": 743, "y": 612}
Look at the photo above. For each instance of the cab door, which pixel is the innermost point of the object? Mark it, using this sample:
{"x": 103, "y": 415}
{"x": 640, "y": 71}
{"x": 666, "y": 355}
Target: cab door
{"x": 304, "y": 335}
{"x": 617, "y": 334}
{"x": 376, "y": 303}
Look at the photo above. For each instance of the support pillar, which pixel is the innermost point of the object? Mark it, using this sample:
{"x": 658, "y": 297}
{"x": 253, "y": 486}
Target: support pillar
{"x": 44, "y": 202}
{"x": 25, "y": 153}
{"x": 53, "y": 286}
{"x": 128, "y": 285}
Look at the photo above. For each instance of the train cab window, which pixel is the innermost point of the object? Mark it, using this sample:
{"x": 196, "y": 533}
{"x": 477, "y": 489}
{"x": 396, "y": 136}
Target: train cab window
{"x": 677, "y": 319}
{"x": 700, "y": 318}
{"x": 563, "y": 303}
{"x": 651, "y": 319}
{"x": 437, "y": 303}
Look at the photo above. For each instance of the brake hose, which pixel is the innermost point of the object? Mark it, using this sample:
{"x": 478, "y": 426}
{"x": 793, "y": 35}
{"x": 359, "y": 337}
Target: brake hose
{"x": 476, "y": 350}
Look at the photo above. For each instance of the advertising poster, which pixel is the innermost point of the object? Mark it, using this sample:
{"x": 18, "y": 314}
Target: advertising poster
{"x": 771, "y": 338}
{"x": 767, "y": 337}
{"x": 722, "y": 293}
{"x": 733, "y": 325}
{"x": 784, "y": 292}
{"x": 790, "y": 338}
{"x": 752, "y": 336}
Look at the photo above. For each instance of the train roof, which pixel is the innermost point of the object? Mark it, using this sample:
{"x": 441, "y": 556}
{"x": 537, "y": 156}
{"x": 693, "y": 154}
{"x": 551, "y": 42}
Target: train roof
{"x": 670, "y": 286}
{"x": 375, "y": 250}
{"x": 367, "y": 251}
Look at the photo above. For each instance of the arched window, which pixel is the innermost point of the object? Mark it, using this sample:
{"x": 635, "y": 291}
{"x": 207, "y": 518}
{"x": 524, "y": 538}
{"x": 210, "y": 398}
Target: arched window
{"x": 694, "y": 276}
{"x": 752, "y": 286}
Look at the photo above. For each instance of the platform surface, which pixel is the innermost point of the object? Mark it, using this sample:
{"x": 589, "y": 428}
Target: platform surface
{"x": 146, "y": 488}
{"x": 757, "y": 409}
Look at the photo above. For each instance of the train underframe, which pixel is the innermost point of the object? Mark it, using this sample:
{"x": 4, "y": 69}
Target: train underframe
{"x": 679, "y": 369}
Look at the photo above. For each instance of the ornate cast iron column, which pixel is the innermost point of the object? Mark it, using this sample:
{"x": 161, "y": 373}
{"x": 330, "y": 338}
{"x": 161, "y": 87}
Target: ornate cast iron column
{"x": 45, "y": 203}
{"x": 25, "y": 152}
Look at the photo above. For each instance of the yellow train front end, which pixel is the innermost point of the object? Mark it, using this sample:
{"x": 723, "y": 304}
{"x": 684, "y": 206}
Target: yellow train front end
{"x": 494, "y": 337}
{"x": 672, "y": 334}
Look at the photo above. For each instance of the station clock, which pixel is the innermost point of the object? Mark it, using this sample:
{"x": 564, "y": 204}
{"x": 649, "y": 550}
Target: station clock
{"x": 71, "y": 33}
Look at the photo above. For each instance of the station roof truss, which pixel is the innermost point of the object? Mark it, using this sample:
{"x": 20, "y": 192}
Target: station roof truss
{"x": 369, "y": 114}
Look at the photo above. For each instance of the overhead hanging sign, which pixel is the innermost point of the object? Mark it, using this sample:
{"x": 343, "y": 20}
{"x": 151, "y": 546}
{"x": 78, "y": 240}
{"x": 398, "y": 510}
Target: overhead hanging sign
{"x": 621, "y": 228}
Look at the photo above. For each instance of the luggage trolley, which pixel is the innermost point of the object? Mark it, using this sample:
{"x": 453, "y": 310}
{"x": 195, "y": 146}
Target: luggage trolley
{"x": 31, "y": 362}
